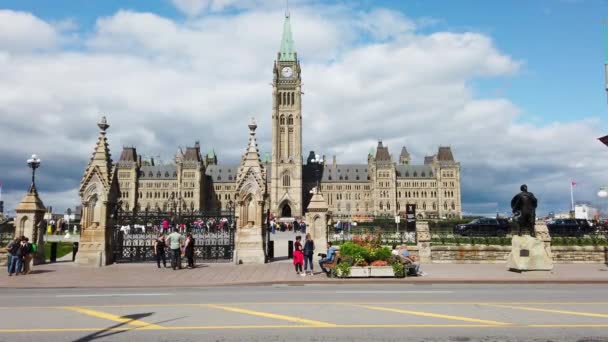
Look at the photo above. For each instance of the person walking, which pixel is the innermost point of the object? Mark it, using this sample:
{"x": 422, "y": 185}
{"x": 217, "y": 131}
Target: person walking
{"x": 298, "y": 256}
{"x": 175, "y": 242}
{"x": 309, "y": 250}
{"x": 189, "y": 250}
{"x": 159, "y": 250}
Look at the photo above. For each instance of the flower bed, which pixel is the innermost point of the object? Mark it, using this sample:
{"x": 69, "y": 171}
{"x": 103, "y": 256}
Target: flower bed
{"x": 366, "y": 257}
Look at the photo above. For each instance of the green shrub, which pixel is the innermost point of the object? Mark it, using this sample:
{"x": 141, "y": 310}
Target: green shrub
{"x": 343, "y": 269}
{"x": 398, "y": 269}
{"x": 382, "y": 253}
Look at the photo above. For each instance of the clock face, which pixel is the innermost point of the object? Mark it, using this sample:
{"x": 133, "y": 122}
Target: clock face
{"x": 286, "y": 72}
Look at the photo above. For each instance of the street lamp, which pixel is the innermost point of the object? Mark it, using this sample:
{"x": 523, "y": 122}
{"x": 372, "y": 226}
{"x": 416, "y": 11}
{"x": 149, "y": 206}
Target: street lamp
{"x": 318, "y": 163}
{"x": 33, "y": 163}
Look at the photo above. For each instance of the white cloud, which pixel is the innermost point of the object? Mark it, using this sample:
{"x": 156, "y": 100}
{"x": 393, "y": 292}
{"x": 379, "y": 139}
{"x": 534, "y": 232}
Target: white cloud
{"x": 165, "y": 83}
{"x": 23, "y": 32}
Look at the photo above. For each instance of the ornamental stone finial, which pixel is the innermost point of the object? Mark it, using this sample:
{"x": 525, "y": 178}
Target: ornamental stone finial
{"x": 252, "y": 125}
{"x": 103, "y": 124}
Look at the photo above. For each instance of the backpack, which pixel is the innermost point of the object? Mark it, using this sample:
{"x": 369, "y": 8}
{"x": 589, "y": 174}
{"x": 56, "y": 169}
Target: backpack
{"x": 34, "y": 247}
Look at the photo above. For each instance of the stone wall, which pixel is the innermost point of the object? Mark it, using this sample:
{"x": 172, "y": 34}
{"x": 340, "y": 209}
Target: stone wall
{"x": 469, "y": 254}
{"x": 579, "y": 254}
{"x": 498, "y": 254}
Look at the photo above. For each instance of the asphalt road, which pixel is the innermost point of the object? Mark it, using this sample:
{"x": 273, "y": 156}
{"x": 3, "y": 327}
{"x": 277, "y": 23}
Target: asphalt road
{"x": 308, "y": 312}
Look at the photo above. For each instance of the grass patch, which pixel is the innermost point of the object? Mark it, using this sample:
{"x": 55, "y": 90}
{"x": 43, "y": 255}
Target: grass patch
{"x": 63, "y": 249}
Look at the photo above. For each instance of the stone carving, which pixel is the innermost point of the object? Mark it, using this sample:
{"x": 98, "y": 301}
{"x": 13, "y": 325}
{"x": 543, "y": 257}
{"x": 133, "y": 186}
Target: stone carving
{"x": 524, "y": 210}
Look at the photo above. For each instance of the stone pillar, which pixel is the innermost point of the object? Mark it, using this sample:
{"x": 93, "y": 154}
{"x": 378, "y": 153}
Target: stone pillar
{"x": 30, "y": 213}
{"x": 423, "y": 239}
{"x": 316, "y": 220}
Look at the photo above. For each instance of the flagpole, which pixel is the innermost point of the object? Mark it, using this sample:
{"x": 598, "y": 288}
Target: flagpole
{"x": 572, "y": 195}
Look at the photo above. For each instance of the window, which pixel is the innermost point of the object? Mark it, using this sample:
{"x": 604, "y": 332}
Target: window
{"x": 286, "y": 181}
{"x": 290, "y": 120}
{"x": 282, "y": 120}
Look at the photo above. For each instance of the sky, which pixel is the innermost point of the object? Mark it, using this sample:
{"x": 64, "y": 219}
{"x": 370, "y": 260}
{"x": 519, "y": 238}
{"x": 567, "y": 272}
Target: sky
{"x": 516, "y": 88}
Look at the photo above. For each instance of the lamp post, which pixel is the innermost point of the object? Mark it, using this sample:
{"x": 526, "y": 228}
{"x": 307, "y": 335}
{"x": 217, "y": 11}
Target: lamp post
{"x": 231, "y": 211}
{"x": 33, "y": 163}
{"x": 318, "y": 163}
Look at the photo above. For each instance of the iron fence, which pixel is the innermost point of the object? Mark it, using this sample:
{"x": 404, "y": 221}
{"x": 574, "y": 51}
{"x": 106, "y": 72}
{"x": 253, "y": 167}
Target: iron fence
{"x": 135, "y": 232}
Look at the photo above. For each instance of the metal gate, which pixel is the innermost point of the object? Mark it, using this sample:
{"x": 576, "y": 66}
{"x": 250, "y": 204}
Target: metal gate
{"x": 135, "y": 232}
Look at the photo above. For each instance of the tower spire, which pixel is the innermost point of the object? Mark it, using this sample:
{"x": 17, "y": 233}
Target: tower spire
{"x": 287, "y": 52}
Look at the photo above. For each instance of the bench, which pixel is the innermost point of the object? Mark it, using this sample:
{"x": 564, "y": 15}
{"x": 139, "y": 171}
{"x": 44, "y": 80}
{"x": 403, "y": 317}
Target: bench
{"x": 331, "y": 266}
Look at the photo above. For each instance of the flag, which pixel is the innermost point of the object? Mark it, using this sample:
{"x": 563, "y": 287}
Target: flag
{"x": 604, "y": 140}
{"x": 573, "y": 183}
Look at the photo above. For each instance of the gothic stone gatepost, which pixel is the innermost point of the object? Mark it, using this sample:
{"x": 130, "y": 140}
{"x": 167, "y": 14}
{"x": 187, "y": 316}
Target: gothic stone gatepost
{"x": 30, "y": 213}
{"x": 251, "y": 192}
{"x": 98, "y": 193}
{"x": 316, "y": 218}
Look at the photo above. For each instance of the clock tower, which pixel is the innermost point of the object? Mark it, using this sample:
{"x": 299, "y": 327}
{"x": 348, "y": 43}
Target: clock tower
{"x": 286, "y": 169}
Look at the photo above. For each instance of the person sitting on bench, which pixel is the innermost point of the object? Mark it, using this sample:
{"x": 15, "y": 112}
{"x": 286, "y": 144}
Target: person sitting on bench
{"x": 331, "y": 253}
{"x": 409, "y": 259}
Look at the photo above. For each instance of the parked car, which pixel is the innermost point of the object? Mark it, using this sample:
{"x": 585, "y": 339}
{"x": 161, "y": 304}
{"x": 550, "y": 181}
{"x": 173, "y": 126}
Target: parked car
{"x": 484, "y": 227}
{"x": 569, "y": 227}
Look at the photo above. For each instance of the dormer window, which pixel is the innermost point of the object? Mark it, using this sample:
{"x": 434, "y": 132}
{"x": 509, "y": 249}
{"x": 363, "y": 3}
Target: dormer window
{"x": 219, "y": 178}
{"x": 415, "y": 174}
{"x": 150, "y": 174}
{"x": 166, "y": 173}
{"x": 174, "y": 173}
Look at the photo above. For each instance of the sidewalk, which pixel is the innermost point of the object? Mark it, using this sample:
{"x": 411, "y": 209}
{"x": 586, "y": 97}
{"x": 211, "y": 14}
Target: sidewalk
{"x": 68, "y": 274}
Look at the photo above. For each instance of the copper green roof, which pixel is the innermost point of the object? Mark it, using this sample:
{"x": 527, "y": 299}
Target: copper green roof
{"x": 287, "y": 52}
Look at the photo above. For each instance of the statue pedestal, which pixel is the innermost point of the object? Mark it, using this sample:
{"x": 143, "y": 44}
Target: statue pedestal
{"x": 528, "y": 254}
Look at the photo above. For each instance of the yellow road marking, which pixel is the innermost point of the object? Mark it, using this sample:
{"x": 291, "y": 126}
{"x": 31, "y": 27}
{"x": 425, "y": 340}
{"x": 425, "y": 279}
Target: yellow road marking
{"x": 430, "y": 314}
{"x": 565, "y": 312}
{"x": 270, "y": 315}
{"x": 345, "y": 326}
{"x": 112, "y": 317}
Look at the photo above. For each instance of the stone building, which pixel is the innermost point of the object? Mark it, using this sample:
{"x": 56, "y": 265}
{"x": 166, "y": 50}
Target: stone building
{"x": 381, "y": 187}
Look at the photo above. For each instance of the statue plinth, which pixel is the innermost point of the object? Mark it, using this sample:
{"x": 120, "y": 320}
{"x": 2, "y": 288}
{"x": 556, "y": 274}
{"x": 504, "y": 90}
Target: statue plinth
{"x": 528, "y": 254}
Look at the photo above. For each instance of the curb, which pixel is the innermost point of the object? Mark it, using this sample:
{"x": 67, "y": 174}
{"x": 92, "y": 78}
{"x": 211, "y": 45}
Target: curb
{"x": 337, "y": 282}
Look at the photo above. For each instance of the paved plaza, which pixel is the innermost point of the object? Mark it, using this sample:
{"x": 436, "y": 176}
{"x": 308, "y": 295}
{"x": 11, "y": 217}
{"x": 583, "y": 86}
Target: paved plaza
{"x": 67, "y": 274}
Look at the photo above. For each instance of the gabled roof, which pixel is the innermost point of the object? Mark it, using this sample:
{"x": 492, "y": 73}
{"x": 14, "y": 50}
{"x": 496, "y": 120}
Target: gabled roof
{"x": 414, "y": 171}
{"x": 128, "y": 154}
{"x": 382, "y": 154}
{"x": 445, "y": 154}
{"x": 345, "y": 173}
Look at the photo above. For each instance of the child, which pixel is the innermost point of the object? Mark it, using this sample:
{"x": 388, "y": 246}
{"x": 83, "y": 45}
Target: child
{"x": 298, "y": 256}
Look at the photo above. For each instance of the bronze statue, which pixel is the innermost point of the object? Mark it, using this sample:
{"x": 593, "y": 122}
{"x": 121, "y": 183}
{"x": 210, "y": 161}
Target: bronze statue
{"x": 524, "y": 210}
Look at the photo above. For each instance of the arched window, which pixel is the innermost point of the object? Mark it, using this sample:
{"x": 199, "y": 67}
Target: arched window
{"x": 453, "y": 206}
{"x": 150, "y": 174}
{"x": 388, "y": 205}
{"x": 290, "y": 120}
{"x": 424, "y": 205}
{"x": 445, "y": 205}
{"x": 282, "y": 120}
{"x": 219, "y": 178}
{"x": 357, "y": 177}
{"x": 286, "y": 181}
{"x": 415, "y": 174}
{"x": 381, "y": 206}
{"x": 434, "y": 206}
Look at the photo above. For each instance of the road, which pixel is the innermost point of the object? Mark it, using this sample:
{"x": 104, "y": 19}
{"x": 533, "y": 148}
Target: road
{"x": 308, "y": 312}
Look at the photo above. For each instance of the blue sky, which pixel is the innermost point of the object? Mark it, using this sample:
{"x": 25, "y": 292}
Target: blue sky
{"x": 560, "y": 42}
{"x": 538, "y": 94}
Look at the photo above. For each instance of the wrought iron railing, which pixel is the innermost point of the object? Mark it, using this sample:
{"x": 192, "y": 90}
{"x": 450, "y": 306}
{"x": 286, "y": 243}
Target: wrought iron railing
{"x": 386, "y": 237}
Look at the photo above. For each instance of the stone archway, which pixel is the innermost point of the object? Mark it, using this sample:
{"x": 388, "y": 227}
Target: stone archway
{"x": 286, "y": 210}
